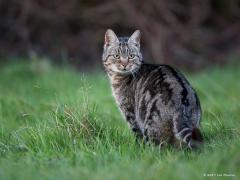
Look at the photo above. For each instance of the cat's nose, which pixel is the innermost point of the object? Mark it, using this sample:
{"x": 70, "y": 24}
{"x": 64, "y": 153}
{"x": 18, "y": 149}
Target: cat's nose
{"x": 124, "y": 62}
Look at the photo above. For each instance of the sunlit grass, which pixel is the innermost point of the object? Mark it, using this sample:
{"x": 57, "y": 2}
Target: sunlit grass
{"x": 60, "y": 124}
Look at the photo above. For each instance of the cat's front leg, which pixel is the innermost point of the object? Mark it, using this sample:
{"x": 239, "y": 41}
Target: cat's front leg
{"x": 136, "y": 130}
{"x": 130, "y": 118}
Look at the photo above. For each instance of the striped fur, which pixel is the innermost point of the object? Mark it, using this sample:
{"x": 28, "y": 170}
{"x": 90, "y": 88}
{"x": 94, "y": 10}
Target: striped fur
{"x": 157, "y": 101}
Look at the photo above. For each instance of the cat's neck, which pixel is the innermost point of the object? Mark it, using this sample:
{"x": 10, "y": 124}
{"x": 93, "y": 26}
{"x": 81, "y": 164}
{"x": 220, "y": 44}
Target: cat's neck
{"x": 119, "y": 79}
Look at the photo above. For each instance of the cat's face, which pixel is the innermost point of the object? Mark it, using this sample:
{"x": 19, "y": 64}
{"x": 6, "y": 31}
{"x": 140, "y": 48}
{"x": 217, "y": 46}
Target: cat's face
{"x": 122, "y": 55}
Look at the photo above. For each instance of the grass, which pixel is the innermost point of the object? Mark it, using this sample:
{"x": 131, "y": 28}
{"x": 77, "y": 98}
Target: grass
{"x": 56, "y": 123}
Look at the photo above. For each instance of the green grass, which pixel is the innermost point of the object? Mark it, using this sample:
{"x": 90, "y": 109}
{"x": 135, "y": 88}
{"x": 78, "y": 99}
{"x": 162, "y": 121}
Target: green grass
{"x": 56, "y": 123}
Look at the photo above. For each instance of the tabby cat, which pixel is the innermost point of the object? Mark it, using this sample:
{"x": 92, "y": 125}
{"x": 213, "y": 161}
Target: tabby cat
{"x": 157, "y": 101}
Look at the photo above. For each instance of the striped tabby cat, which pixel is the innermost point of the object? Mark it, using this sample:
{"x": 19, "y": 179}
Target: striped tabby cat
{"x": 157, "y": 101}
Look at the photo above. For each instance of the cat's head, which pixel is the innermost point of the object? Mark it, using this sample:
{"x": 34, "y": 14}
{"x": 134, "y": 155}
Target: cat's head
{"x": 122, "y": 55}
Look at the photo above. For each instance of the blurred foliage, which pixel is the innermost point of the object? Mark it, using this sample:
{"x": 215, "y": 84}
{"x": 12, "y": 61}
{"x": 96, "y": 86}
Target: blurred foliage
{"x": 186, "y": 33}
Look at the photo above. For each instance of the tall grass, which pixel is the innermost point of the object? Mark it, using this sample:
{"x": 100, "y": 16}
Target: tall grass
{"x": 56, "y": 123}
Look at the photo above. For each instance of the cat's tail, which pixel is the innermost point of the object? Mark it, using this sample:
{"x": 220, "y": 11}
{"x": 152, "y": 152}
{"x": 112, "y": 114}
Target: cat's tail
{"x": 187, "y": 134}
{"x": 191, "y": 137}
{"x": 196, "y": 139}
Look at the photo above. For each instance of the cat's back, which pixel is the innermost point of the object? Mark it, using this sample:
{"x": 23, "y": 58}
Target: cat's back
{"x": 168, "y": 84}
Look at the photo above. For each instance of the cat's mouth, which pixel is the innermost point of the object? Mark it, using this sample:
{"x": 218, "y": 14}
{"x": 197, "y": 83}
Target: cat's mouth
{"x": 124, "y": 70}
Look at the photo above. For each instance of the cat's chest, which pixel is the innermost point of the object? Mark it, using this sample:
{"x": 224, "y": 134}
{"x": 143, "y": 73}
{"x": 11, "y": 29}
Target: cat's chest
{"x": 121, "y": 95}
{"x": 122, "y": 91}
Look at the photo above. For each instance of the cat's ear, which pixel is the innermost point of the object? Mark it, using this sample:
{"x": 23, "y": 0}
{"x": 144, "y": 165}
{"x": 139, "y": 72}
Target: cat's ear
{"x": 110, "y": 37}
{"x": 135, "y": 38}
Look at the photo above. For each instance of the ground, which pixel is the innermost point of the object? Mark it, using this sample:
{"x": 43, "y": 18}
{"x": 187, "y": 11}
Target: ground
{"x": 57, "y": 123}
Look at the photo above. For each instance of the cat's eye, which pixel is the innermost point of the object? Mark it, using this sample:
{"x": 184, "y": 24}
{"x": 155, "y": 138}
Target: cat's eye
{"x": 116, "y": 56}
{"x": 131, "y": 56}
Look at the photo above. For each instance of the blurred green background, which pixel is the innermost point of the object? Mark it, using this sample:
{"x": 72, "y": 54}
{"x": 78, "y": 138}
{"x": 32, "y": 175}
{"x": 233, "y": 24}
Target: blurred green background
{"x": 58, "y": 119}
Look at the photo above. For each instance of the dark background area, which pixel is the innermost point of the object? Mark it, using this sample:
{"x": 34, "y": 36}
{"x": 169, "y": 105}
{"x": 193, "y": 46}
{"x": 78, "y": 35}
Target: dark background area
{"x": 191, "y": 34}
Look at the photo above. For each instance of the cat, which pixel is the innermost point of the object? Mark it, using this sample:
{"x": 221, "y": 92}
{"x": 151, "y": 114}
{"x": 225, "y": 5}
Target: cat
{"x": 157, "y": 101}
